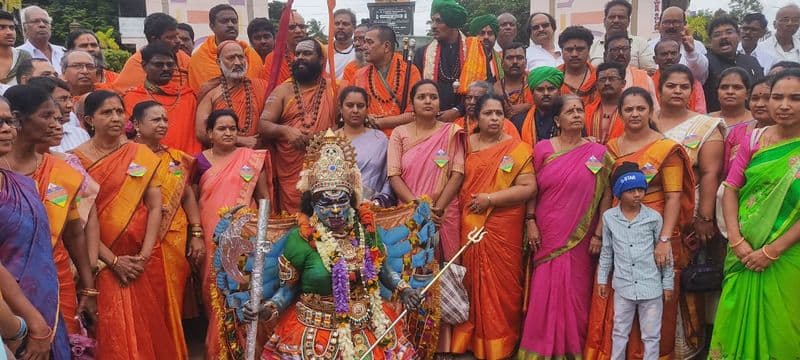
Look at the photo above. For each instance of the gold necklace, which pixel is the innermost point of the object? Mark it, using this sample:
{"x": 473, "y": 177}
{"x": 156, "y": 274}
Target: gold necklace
{"x": 102, "y": 154}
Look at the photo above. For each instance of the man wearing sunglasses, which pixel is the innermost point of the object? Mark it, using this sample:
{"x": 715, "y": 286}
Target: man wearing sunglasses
{"x": 542, "y": 50}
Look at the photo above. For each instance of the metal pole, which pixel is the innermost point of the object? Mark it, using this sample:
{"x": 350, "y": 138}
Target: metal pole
{"x": 256, "y": 276}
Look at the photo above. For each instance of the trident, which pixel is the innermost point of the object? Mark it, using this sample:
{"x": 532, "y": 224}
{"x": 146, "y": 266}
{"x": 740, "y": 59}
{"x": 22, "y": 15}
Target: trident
{"x": 475, "y": 236}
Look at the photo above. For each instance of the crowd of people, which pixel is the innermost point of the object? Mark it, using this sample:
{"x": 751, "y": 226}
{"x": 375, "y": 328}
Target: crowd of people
{"x": 638, "y": 198}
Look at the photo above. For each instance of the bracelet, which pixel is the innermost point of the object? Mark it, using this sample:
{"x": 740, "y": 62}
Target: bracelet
{"x": 114, "y": 263}
{"x": 45, "y": 337}
{"x": 21, "y": 332}
{"x": 597, "y": 236}
{"x": 764, "y": 251}
{"x": 703, "y": 218}
{"x": 489, "y": 197}
{"x": 664, "y": 239}
{"x": 89, "y": 292}
{"x": 530, "y": 217}
{"x": 737, "y": 243}
{"x": 402, "y": 285}
{"x": 197, "y": 234}
{"x": 196, "y": 226}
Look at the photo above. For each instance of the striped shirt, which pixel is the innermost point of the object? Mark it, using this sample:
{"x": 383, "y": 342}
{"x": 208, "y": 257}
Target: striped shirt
{"x": 74, "y": 136}
{"x": 628, "y": 248}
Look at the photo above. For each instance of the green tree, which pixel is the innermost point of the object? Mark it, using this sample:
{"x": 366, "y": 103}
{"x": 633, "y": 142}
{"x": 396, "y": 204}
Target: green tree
{"x": 520, "y": 9}
{"x": 96, "y": 15}
{"x": 698, "y": 23}
{"x": 740, "y": 8}
{"x": 275, "y": 10}
{"x": 317, "y": 31}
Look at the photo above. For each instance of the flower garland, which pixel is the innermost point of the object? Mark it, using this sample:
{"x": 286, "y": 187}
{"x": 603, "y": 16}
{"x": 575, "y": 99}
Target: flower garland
{"x": 327, "y": 246}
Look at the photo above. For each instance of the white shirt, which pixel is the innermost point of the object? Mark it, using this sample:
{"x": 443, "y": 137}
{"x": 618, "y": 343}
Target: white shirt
{"x": 537, "y": 56}
{"x": 770, "y": 45}
{"x": 55, "y": 59}
{"x": 764, "y": 57}
{"x": 3, "y": 88}
{"x": 696, "y": 60}
{"x": 341, "y": 60}
{"x": 641, "y": 53}
{"x": 74, "y": 136}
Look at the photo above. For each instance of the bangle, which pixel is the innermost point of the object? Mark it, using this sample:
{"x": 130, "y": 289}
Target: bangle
{"x": 489, "y": 197}
{"x": 737, "y": 243}
{"x": 21, "y": 332}
{"x": 195, "y": 225}
{"x": 764, "y": 251}
{"x": 663, "y": 239}
{"x": 114, "y": 263}
{"x": 197, "y": 234}
{"x": 703, "y": 218}
{"x": 597, "y": 236}
{"x": 401, "y": 286}
{"x": 89, "y": 292}
{"x": 45, "y": 337}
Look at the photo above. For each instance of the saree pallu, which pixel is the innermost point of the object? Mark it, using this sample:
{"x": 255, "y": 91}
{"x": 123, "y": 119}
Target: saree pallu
{"x": 173, "y": 174}
{"x": 59, "y": 184}
{"x": 759, "y": 312}
{"x": 26, "y": 251}
{"x": 653, "y": 159}
{"x": 571, "y": 185}
{"x": 133, "y": 321}
{"x": 238, "y": 177}
{"x": 494, "y": 266}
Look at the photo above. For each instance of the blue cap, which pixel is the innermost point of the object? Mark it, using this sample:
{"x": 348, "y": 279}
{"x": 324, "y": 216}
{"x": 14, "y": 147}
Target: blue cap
{"x": 629, "y": 181}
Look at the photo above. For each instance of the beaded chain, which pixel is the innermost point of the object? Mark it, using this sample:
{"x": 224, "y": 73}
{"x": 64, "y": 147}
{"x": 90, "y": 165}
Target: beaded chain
{"x": 395, "y": 87}
{"x": 248, "y": 95}
{"x": 151, "y": 88}
{"x": 315, "y": 105}
{"x": 455, "y": 68}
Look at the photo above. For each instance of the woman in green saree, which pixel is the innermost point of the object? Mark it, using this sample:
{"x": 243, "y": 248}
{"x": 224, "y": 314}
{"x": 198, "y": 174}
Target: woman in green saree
{"x": 760, "y": 308}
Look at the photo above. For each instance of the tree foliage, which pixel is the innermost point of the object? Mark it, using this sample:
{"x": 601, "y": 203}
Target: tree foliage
{"x": 740, "y": 8}
{"x": 275, "y": 8}
{"x": 698, "y": 23}
{"x": 96, "y": 15}
{"x": 520, "y": 9}
{"x": 317, "y": 31}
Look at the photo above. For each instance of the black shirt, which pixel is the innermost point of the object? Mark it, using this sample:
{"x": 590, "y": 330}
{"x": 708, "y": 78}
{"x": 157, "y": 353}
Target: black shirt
{"x": 545, "y": 123}
{"x": 717, "y": 64}
{"x": 449, "y": 72}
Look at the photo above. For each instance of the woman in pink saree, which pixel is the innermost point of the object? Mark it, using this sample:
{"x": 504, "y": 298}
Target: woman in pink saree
{"x": 572, "y": 175}
{"x": 226, "y": 176}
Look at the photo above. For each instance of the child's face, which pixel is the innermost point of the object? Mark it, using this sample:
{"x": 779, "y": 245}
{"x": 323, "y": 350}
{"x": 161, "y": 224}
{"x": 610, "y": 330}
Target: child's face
{"x": 632, "y": 197}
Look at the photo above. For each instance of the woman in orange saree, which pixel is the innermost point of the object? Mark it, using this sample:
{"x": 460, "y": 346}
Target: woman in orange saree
{"x": 498, "y": 181}
{"x": 179, "y": 209}
{"x": 225, "y": 176}
{"x": 132, "y": 300}
{"x": 670, "y": 191}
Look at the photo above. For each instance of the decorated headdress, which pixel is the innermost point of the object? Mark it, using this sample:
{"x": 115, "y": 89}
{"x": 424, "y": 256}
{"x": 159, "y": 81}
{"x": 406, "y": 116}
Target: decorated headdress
{"x": 330, "y": 164}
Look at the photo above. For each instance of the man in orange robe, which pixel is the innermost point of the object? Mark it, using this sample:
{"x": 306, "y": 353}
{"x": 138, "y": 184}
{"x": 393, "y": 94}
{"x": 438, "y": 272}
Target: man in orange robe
{"x": 603, "y": 121}
{"x": 290, "y": 124}
{"x": 668, "y": 53}
{"x": 224, "y": 22}
{"x": 245, "y": 96}
{"x": 350, "y": 70}
{"x": 297, "y": 31}
{"x": 160, "y": 62}
{"x": 384, "y": 79}
{"x": 538, "y": 124}
{"x": 476, "y": 90}
{"x": 579, "y": 74}
{"x": 157, "y": 27}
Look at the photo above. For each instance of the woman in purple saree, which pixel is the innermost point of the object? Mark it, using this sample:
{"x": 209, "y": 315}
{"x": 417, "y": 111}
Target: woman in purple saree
{"x": 572, "y": 174}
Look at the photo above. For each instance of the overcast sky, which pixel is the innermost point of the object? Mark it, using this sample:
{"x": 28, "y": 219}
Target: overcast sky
{"x": 316, "y": 9}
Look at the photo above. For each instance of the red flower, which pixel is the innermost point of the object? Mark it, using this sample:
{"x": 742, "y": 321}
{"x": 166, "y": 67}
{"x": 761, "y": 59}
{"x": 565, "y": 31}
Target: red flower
{"x": 367, "y": 217}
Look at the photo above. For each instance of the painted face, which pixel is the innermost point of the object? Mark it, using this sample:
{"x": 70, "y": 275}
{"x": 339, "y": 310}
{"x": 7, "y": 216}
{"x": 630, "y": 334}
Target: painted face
{"x": 333, "y": 208}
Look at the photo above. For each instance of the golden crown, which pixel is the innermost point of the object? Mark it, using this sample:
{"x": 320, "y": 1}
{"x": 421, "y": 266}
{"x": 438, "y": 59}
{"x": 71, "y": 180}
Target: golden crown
{"x": 330, "y": 164}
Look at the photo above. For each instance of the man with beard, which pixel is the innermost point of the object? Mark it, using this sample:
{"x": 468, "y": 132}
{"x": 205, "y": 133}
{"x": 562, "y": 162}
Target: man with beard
{"x": 539, "y": 123}
{"x": 349, "y": 73}
{"x": 485, "y": 28}
{"x": 79, "y": 70}
{"x": 297, "y": 30}
{"x": 37, "y": 28}
{"x": 618, "y": 51}
{"x": 86, "y": 40}
{"x": 244, "y": 95}
{"x": 754, "y": 26}
{"x": 542, "y": 51}
{"x": 10, "y": 58}
{"x": 672, "y": 25}
{"x": 344, "y": 20}
{"x": 224, "y": 23}
{"x": 602, "y": 116}
{"x": 157, "y": 27}
{"x": 616, "y": 19}
{"x": 579, "y": 75}
{"x": 724, "y": 35}
{"x": 668, "y": 53}
{"x": 73, "y": 134}
{"x": 384, "y": 79}
{"x": 513, "y": 87}
{"x": 783, "y": 44}
{"x": 295, "y": 111}
{"x": 452, "y": 60}
{"x": 261, "y": 34}
{"x": 468, "y": 122}
{"x": 186, "y": 36}
{"x": 508, "y": 31}
{"x": 160, "y": 62}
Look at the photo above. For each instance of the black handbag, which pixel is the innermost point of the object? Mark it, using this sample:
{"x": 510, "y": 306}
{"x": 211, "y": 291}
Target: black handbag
{"x": 702, "y": 274}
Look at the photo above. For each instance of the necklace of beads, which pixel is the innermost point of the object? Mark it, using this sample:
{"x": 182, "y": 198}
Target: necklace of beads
{"x": 151, "y": 88}
{"x": 395, "y": 86}
{"x": 454, "y": 70}
{"x": 516, "y": 96}
{"x": 248, "y": 95}
{"x": 306, "y": 122}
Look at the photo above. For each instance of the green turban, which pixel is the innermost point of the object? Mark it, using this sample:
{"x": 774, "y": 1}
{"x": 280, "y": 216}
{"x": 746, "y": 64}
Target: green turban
{"x": 480, "y": 22}
{"x": 545, "y": 73}
{"x": 453, "y": 14}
